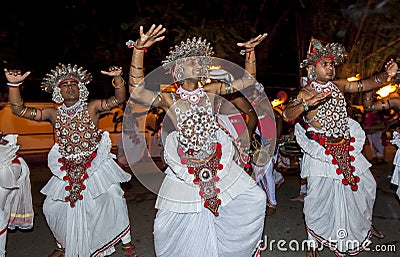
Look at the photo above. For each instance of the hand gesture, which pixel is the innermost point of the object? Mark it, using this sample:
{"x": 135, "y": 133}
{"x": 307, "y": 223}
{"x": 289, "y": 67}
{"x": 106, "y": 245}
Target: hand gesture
{"x": 254, "y": 41}
{"x": 391, "y": 68}
{"x": 113, "y": 71}
{"x": 150, "y": 37}
{"x": 15, "y": 76}
{"x": 318, "y": 99}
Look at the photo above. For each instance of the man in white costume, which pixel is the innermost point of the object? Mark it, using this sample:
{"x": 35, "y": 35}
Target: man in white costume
{"x": 16, "y": 209}
{"x": 340, "y": 187}
{"x": 84, "y": 193}
{"x": 207, "y": 206}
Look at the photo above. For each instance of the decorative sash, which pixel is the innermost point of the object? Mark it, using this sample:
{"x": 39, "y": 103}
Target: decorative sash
{"x": 340, "y": 151}
{"x": 205, "y": 176}
{"x": 76, "y": 175}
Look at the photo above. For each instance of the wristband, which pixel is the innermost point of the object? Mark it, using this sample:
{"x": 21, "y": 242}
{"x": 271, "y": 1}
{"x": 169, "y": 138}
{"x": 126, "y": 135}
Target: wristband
{"x": 10, "y": 84}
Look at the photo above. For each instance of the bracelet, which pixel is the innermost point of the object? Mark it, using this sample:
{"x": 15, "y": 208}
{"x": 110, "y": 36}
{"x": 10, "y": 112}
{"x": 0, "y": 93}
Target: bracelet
{"x": 136, "y": 67}
{"x": 22, "y": 112}
{"x": 18, "y": 104}
{"x": 305, "y": 106}
{"x": 359, "y": 86}
{"x": 33, "y": 113}
{"x": 118, "y": 86}
{"x": 246, "y": 51}
{"x": 377, "y": 80}
{"x": 114, "y": 101}
{"x": 140, "y": 48}
{"x": 134, "y": 85}
{"x": 10, "y": 84}
{"x": 136, "y": 77}
{"x": 250, "y": 62}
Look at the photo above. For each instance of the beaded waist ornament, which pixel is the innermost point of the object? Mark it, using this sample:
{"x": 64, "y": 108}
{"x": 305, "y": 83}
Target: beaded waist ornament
{"x": 340, "y": 151}
{"x": 205, "y": 176}
{"x": 76, "y": 175}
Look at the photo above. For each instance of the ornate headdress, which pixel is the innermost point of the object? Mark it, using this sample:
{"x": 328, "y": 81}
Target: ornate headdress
{"x": 192, "y": 47}
{"x": 62, "y": 72}
{"x": 317, "y": 51}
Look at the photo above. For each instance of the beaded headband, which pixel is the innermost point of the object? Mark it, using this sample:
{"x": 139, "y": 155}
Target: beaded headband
{"x": 317, "y": 51}
{"x": 62, "y": 72}
{"x": 192, "y": 47}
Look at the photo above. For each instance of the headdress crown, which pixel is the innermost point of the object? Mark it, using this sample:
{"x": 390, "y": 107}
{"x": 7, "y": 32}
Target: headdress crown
{"x": 62, "y": 72}
{"x": 318, "y": 50}
{"x": 192, "y": 47}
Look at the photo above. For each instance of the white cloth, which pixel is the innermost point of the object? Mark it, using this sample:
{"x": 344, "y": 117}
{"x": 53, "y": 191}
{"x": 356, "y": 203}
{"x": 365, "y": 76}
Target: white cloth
{"x": 396, "y": 161}
{"x": 184, "y": 227}
{"x": 100, "y": 219}
{"x": 330, "y": 207}
{"x": 16, "y": 210}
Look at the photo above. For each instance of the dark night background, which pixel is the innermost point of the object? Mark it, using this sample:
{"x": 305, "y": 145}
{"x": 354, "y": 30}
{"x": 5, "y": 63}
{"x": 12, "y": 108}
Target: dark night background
{"x": 37, "y": 35}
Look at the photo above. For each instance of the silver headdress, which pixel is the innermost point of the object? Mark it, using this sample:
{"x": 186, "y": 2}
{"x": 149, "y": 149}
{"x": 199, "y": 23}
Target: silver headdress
{"x": 317, "y": 51}
{"x": 192, "y": 47}
{"x": 52, "y": 80}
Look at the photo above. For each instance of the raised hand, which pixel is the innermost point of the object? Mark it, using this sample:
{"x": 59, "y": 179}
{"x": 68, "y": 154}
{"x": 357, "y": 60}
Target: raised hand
{"x": 113, "y": 71}
{"x": 154, "y": 34}
{"x": 15, "y": 76}
{"x": 391, "y": 68}
{"x": 254, "y": 41}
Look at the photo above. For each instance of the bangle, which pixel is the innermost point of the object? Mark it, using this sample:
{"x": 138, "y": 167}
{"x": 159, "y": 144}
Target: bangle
{"x": 22, "y": 112}
{"x": 136, "y": 77}
{"x": 359, "y": 86}
{"x": 140, "y": 48}
{"x": 18, "y": 104}
{"x": 250, "y": 62}
{"x": 10, "y": 84}
{"x": 246, "y": 51}
{"x": 305, "y": 106}
{"x": 118, "y": 86}
{"x": 134, "y": 85}
{"x": 33, "y": 113}
{"x": 136, "y": 67}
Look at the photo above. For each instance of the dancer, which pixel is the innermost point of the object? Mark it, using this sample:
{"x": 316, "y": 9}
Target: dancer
{"x": 340, "y": 187}
{"x": 15, "y": 190}
{"x": 84, "y": 193}
{"x": 207, "y": 205}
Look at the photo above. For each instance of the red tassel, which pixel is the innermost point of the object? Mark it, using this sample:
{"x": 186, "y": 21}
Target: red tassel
{"x": 191, "y": 170}
{"x": 218, "y": 146}
{"x": 334, "y": 161}
{"x": 345, "y": 182}
{"x": 196, "y": 181}
{"x": 338, "y": 171}
{"x": 327, "y": 152}
{"x": 354, "y": 187}
{"x": 220, "y": 166}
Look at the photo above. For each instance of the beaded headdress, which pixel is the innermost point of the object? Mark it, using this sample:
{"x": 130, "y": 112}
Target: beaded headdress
{"x": 62, "y": 72}
{"x": 192, "y": 47}
{"x": 318, "y": 50}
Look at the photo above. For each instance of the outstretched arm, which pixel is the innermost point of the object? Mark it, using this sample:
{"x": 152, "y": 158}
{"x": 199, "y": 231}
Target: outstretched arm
{"x": 136, "y": 72}
{"x": 368, "y": 84}
{"x": 249, "y": 52}
{"x": 15, "y": 79}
